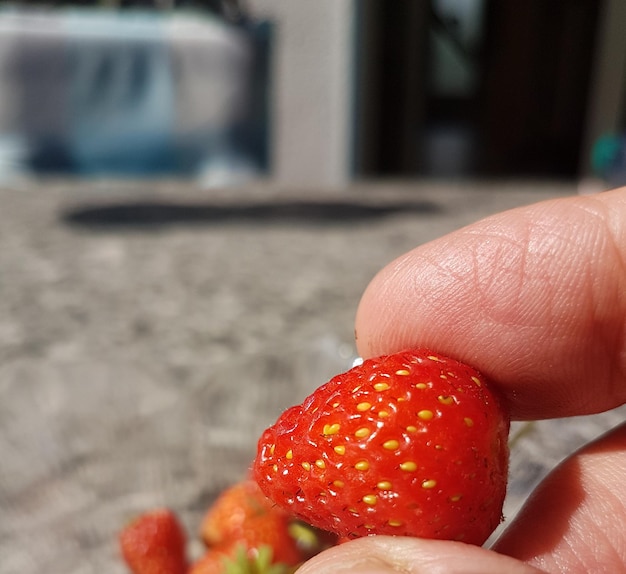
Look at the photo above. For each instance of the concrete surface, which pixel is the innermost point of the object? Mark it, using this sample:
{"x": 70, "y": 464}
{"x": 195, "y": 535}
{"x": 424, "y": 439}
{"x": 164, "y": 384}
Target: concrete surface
{"x": 150, "y": 332}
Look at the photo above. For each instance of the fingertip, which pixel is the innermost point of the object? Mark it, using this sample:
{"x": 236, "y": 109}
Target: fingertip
{"x": 534, "y": 298}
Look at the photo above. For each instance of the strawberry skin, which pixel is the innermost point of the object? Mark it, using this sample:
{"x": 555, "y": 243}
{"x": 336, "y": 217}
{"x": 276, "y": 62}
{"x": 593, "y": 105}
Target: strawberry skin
{"x": 154, "y": 543}
{"x": 410, "y": 444}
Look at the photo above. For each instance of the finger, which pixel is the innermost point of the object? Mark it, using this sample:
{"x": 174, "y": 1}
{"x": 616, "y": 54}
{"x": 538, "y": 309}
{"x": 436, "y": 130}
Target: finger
{"x": 390, "y": 555}
{"x": 576, "y": 520}
{"x": 534, "y": 297}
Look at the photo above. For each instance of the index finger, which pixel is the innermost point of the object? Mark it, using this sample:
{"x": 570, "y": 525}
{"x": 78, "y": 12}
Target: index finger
{"x": 535, "y": 298}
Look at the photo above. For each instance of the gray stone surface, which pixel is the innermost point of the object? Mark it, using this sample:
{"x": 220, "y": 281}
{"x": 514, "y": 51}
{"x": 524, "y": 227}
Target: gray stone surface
{"x": 149, "y": 332}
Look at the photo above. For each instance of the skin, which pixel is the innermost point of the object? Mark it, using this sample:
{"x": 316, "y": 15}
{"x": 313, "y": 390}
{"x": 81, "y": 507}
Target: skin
{"x": 535, "y": 298}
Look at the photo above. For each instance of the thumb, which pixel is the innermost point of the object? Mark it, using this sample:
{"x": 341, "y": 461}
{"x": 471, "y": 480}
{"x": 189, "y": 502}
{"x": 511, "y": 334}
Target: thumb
{"x": 393, "y": 555}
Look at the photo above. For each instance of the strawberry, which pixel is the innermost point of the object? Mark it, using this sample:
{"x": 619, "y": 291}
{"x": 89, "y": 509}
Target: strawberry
{"x": 407, "y": 444}
{"x": 213, "y": 562}
{"x": 243, "y": 514}
{"x": 235, "y": 560}
{"x": 154, "y": 543}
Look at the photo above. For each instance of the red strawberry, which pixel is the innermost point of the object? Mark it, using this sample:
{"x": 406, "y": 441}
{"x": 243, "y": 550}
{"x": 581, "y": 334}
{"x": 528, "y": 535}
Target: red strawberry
{"x": 235, "y": 560}
{"x": 408, "y": 444}
{"x": 213, "y": 562}
{"x": 154, "y": 543}
{"x": 242, "y": 514}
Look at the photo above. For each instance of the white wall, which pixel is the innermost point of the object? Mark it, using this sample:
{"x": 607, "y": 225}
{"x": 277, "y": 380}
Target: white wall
{"x": 312, "y": 84}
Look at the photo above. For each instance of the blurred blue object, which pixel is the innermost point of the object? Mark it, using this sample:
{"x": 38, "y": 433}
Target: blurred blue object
{"x": 134, "y": 93}
{"x": 608, "y": 159}
{"x": 120, "y": 94}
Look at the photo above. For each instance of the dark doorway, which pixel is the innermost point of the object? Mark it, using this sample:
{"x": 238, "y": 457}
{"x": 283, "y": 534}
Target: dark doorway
{"x": 473, "y": 87}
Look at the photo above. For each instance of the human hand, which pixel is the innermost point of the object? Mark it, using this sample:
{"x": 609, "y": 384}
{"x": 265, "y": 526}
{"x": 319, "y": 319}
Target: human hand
{"x": 535, "y": 298}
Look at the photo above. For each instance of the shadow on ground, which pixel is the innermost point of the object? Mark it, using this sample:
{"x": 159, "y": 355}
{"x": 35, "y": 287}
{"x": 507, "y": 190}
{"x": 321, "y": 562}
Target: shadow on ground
{"x": 158, "y": 214}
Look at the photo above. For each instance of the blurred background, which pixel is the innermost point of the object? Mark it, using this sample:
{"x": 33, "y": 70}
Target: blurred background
{"x": 217, "y": 89}
{"x": 194, "y": 195}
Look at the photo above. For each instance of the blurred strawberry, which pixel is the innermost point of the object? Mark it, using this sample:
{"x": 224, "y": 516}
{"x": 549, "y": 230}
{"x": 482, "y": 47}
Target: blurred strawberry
{"x": 235, "y": 559}
{"x": 154, "y": 543}
{"x": 243, "y": 514}
{"x": 213, "y": 562}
